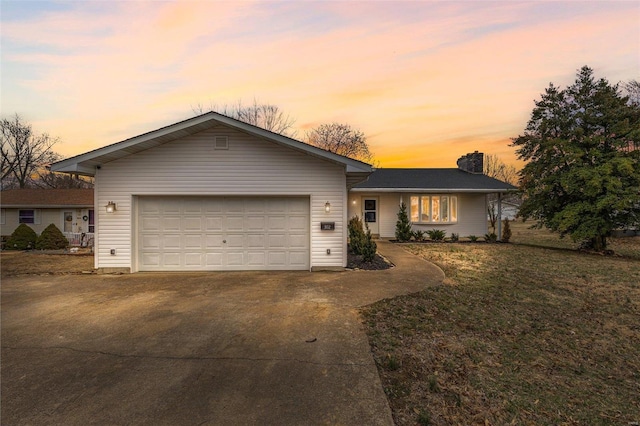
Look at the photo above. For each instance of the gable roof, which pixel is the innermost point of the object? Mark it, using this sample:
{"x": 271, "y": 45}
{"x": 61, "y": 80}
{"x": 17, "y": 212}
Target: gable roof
{"x": 85, "y": 164}
{"x": 431, "y": 180}
{"x": 46, "y": 198}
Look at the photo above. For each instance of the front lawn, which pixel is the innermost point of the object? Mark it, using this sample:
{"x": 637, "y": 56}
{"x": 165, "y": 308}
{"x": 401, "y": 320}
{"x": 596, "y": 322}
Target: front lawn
{"x": 517, "y": 334}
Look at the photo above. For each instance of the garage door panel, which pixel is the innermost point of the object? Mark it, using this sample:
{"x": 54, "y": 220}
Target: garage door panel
{"x": 171, "y": 223}
{"x": 171, "y": 259}
{"x": 192, "y": 242}
{"x": 214, "y": 259}
{"x": 193, "y": 224}
{"x": 234, "y": 241}
{"x": 234, "y": 223}
{"x": 151, "y": 259}
{"x": 151, "y": 242}
{"x": 298, "y": 258}
{"x": 277, "y": 241}
{"x": 213, "y": 241}
{"x": 214, "y": 223}
{"x": 277, "y": 223}
{"x": 192, "y": 206}
{"x": 193, "y": 259}
{"x": 298, "y": 206}
{"x": 255, "y": 223}
{"x": 172, "y": 242}
{"x": 298, "y": 223}
{"x": 298, "y": 241}
{"x": 235, "y": 258}
{"x": 223, "y": 233}
{"x": 256, "y": 241}
{"x": 256, "y": 258}
{"x": 277, "y": 258}
{"x": 151, "y": 224}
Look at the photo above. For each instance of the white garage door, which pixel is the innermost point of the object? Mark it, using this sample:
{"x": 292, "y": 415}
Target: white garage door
{"x": 223, "y": 233}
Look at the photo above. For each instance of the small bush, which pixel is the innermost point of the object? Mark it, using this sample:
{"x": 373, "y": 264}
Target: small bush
{"x": 506, "y": 231}
{"x": 437, "y": 234}
{"x": 403, "y": 226}
{"x": 491, "y": 238}
{"x": 473, "y": 238}
{"x": 418, "y": 235}
{"x": 51, "y": 239}
{"x": 23, "y": 238}
{"x": 356, "y": 235}
{"x": 455, "y": 237}
{"x": 369, "y": 247}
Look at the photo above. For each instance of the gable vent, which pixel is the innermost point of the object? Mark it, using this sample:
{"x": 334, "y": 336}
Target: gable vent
{"x": 221, "y": 142}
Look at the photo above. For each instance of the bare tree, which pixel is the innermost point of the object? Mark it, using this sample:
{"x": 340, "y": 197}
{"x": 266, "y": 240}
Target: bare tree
{"x": 496, "y": 168}
{"x": 23, "y": 152}
{"x": 341, "y": 139}
{"x": 49, "y": 179}
{"x": 266, "y": 116}
{"x": 632, "y": 89}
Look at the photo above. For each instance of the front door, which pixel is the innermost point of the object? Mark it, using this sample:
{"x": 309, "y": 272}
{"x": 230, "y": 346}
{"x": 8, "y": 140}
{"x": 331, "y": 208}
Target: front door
{"x": 370, "y": 213}
{"x": 68, "y": 222}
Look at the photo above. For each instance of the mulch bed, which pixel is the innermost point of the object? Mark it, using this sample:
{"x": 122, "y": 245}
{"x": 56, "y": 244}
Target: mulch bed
{"x": 357, "y": 262}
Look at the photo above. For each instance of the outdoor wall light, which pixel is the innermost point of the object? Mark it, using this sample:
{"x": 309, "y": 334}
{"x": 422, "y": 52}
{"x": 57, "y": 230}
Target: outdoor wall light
{"x": 327, "y": 207}
{"x": 111, "y": 207}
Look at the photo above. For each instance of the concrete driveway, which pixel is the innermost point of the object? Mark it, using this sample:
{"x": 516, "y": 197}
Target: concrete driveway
{"x": 199, "y": 348}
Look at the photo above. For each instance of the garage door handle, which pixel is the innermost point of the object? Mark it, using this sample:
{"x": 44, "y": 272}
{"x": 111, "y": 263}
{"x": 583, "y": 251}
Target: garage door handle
{"x": 224, "y": 241}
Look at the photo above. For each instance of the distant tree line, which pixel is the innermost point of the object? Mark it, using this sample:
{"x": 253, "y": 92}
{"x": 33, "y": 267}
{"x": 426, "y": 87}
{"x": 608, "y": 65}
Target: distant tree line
{"x": 26, "y": 156}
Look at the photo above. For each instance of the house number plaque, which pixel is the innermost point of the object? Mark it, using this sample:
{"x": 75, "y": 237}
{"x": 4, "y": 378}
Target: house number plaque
{"x": 327, "y": 226}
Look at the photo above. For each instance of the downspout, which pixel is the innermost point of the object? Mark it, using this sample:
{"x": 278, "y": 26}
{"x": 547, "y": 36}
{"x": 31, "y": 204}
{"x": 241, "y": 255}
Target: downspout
{"x": 499, "y": 216}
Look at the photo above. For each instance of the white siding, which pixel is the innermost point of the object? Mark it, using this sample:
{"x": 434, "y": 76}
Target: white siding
{"x": 191, "y": 166}
{"x": 388, "y": 206}
{"x": 472, "y": 213}
{"x": 44, "y": 218}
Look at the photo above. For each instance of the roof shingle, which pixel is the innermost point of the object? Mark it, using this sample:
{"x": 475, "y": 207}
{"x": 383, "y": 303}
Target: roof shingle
{"x": 433, "y": 180}
{"x": 46, "y": 198}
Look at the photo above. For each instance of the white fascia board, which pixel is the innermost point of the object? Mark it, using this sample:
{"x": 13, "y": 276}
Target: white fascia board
{"x": 73, "y": 167}
{"x": 73, "y": 164}
{"x": 353, "y": 166}
{"x": 431, "y": 190}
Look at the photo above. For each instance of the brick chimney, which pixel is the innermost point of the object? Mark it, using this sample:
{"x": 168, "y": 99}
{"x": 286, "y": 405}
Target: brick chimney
{"x": 472, "y": 163}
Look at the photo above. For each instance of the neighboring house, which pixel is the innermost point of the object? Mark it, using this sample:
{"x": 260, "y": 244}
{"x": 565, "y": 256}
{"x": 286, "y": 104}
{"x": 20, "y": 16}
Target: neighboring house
{"x": 453, "y": 200}
{"x": 214, "y": 193}
{"x": 509, "y": 209}
{"x": 71, "y": 210}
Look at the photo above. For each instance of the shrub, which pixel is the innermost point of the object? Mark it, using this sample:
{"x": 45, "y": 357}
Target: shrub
{"x": 491, "y": 238}
{"x": 403, "y": 226}
{"x": 369, "y": 247}
{"x": 473, "y": 238}
{"x": 356, "y": 235}
{"x": 437, "y": 234}
{"x": 506, "y": 231}
{"x": 418, "y": 235}
{"x": 455, "y": 237}
{"x": 23, "y": 238}
{"x": 51, "y": 239}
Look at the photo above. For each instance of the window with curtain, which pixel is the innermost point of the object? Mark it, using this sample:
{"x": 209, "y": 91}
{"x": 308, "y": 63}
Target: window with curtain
{"x": 434, "y": 209}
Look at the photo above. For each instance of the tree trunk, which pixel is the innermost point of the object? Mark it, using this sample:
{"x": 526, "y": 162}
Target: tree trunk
{"x": 598, "y": 243}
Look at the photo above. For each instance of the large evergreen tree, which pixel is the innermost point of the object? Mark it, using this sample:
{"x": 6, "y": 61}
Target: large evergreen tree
{"x": 582, "y": 176}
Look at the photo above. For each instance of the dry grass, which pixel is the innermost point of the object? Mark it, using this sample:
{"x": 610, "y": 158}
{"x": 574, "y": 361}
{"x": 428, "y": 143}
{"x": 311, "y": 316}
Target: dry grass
{"x": 39, "y": 263}
{"x": 516, "y": 335}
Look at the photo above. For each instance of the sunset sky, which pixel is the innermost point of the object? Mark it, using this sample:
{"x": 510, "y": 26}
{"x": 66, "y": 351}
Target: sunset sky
{"x": 426, "y": 81}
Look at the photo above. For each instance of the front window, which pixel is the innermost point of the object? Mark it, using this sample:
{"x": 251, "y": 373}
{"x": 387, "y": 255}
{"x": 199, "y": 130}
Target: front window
{"x": 434, "y": 209}
{"x": 92, "y": 224}
{"x": 26, "y": 216}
